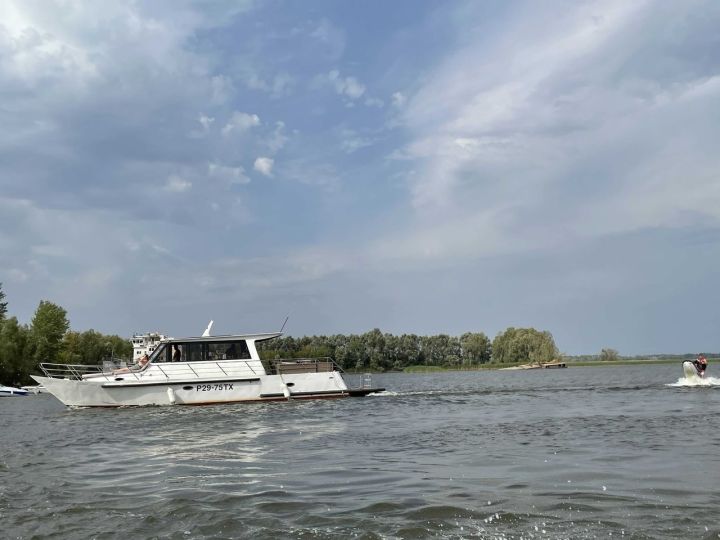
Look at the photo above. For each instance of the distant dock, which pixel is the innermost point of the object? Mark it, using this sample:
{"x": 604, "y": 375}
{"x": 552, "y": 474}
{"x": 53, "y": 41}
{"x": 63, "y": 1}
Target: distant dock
{"x": 548, "y": 365}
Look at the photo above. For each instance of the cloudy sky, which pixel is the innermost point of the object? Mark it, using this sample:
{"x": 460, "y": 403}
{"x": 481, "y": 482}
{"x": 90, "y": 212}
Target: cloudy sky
{"x": 414, "y": 166}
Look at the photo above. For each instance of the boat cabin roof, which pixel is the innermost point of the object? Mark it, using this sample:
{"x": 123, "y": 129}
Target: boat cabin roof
{"x": 229, "y": 337}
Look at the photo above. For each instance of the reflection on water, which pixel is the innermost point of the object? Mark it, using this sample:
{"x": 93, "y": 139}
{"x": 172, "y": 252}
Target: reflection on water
{"x": 576, "y": 453}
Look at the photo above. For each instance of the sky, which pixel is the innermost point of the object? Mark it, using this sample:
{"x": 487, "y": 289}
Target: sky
{"x": 415, "y": 166}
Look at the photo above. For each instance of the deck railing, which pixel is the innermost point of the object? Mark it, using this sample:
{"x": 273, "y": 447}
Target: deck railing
{"x": 285, "y": 366}
{"x": 71, "y": 371}
{"x": 110, "y": 371}
{"x": 170, "y": 370}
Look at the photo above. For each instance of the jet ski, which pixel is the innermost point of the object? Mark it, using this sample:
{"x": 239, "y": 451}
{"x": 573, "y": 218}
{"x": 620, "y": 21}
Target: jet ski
{"x": 692, "y": 369}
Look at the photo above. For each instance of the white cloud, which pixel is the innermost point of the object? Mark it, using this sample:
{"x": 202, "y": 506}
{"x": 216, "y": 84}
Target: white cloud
{"x": 231, "y": 175}
{"x": 176, "y": 184}
{"x": 399, "y": 99}
{"x": 277, "y": 140}
{"x": 349, "y": 87}
{"x": 351, "y": 141}
{"x": 240, "y": 122}
{"x": 264, "y": 165}
{"x": 206, "y": 122}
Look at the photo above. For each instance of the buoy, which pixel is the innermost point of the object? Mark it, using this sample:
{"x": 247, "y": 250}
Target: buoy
{"x": 171, "y": 396}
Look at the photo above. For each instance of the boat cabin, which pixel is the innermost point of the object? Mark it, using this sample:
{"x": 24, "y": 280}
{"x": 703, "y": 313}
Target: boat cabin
{"x": 202, "y": 349}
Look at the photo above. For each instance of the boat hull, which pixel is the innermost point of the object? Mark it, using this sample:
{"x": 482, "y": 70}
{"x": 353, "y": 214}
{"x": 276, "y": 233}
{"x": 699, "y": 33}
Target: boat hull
{"x": 104, "y": 393}
{"x": 9, "y": 391}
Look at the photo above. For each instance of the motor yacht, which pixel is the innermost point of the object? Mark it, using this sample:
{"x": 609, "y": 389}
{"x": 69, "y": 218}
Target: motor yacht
{"x": 199, "y": 371}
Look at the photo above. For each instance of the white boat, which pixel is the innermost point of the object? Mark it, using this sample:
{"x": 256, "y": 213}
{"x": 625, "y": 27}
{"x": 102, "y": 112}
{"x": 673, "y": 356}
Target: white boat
{"x": 9, "y": 391}
{"x": 198, "y": 371}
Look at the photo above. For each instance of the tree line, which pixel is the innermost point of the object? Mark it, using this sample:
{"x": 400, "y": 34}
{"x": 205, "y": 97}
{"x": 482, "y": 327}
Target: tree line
{"x": 378, "y": 351}
{"x": 48, "y": 338}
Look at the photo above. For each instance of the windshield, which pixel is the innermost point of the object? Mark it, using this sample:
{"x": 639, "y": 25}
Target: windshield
{"x": 158, "y": 354}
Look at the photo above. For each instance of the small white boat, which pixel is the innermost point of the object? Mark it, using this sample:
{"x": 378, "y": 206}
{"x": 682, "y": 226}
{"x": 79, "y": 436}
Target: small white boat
{"x": 9, "y": 391}
{"x": 198, "y": 371}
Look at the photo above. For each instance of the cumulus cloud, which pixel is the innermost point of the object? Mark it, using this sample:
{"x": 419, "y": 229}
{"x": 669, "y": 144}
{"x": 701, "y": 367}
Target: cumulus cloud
{"x": 240, "y": 122}
{"x": 264, "y": 165}
{"x": 348, "y": 87}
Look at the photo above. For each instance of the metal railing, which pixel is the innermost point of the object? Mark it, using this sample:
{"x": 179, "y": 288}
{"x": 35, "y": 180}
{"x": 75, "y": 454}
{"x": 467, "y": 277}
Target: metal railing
{"x": 76, "y": 371}
{"x": 286, "y": 366}
{"x": 110, "y": 371}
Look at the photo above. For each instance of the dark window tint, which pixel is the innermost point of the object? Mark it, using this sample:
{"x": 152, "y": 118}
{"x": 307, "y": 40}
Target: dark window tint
{"x": 228, "y": 350}
{"x": 193, "y": 352}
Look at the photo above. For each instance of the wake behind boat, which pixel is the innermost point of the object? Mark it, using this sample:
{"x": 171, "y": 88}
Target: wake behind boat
{"x": 198, "y": 371}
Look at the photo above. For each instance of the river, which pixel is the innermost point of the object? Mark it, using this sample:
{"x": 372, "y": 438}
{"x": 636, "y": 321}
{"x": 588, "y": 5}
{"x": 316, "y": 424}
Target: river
{"x": 573, "y": 453}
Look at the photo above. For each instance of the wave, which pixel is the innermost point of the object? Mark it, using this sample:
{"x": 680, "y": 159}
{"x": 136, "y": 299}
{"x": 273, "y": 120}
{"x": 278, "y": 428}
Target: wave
{"x": 695, "y": 382}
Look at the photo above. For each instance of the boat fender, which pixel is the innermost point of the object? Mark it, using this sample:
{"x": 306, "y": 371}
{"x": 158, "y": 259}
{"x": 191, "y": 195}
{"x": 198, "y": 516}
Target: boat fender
{"x": 171, "y": 396}
{"x": 286, "y": 391}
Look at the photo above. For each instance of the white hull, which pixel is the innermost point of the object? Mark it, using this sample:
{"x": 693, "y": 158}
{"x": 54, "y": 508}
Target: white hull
{"x": 9, "y": 391}
{"x": 99, "y": 392}
{"x": 690, "y": 371}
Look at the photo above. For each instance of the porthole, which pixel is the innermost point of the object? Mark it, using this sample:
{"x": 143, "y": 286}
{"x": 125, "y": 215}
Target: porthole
{"x": 187, "y": 387}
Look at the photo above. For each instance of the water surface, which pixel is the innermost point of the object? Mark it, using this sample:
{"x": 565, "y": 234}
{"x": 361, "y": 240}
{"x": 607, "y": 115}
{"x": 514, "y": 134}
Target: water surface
{"x": 577, "y": 453}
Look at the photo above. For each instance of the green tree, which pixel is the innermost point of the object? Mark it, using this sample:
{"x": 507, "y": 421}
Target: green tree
{"x": 16, "y": 362}
{"x": 476, "y": 348}
{"x": 48, "y": 327}
{"x": 3, "y": 305}
{"x": 609, "y": 355}
{"x": 523, "y": 345}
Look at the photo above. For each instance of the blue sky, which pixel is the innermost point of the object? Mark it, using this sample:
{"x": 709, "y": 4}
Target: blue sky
{"x": 414, "y": 166}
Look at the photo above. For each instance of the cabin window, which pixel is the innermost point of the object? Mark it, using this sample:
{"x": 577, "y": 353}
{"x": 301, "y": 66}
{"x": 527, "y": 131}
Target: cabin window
{"x": 228, "y": 350}
{"x": 193, "y": 352}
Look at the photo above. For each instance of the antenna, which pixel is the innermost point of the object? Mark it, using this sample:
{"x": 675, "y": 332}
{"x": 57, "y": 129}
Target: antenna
{"x": 283, "y": 326}
{"x": 206, "y": 333}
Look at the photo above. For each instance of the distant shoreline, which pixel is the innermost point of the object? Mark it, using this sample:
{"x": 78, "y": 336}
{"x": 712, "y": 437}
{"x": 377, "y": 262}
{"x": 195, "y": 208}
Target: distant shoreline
{"x": 570, "y": 364}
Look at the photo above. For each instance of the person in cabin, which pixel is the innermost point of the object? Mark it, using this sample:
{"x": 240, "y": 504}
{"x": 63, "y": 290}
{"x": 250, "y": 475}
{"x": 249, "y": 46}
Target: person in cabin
{"x": 176, "y": 355}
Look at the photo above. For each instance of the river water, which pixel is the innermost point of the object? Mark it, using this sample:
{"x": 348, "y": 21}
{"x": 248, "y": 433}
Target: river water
{"x": 622, "y": 452}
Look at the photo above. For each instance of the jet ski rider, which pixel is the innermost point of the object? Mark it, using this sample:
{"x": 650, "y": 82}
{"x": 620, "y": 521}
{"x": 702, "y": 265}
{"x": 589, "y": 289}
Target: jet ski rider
{"x": 700, "y": 364}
